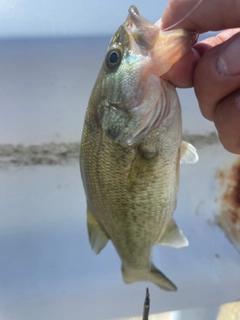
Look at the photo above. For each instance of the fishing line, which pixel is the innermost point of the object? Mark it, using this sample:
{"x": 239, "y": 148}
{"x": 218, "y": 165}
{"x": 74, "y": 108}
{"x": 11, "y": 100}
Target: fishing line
{"x": 186, "y": 16}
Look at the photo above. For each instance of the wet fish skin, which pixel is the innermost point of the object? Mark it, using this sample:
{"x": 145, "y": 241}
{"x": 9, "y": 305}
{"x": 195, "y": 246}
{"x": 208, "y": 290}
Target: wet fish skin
{"x": 131, "y": 148}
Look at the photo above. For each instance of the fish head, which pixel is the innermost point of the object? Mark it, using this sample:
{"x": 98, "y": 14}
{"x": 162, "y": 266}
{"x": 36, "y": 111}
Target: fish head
{"x": 131, "y": 101}
{"x": 127, "y": 62}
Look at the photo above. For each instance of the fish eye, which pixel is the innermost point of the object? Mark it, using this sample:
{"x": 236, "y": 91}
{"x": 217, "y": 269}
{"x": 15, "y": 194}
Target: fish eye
{"x": 113, "y": 58}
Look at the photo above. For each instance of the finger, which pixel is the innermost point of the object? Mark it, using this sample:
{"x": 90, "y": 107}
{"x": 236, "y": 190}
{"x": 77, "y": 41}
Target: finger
{"x": 217, "y": 75}
{"x": 227, "y": 122}
{"x": 206, "y": 44}
{"x": 211, "y": 15}
{"x": 181, "y": 74}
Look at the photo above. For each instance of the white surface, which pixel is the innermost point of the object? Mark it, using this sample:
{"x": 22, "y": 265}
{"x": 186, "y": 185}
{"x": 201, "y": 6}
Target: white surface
{"x": 222, "y": 312}
{"x": 47, "y": 269}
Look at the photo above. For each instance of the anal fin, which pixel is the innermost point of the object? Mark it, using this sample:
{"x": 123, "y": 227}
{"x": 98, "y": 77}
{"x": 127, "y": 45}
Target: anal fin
{"x": 173, "y": 237}
{"x": 97, "y": 236}
{"x": 188, "y": 153}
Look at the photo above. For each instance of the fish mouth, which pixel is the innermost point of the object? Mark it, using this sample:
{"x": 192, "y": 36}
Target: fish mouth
{"x": 144, "y": 32}
{"x": 164, "y": 47}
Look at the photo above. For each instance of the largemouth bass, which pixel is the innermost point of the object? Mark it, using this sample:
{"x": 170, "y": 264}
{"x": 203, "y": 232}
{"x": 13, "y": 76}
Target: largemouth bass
{"x": 132, "y": 147}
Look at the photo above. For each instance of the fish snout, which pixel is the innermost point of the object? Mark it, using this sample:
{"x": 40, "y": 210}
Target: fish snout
{"x": 144, "y": 32}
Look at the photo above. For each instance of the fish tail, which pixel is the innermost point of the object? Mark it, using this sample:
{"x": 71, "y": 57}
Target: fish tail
{"x": 153, "y": 275}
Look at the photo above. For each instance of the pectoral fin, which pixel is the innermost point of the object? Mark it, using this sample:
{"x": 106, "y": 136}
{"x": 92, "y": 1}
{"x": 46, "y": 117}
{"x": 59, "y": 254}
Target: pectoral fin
{"x": 97, "y": 236}
{"x": 173, "y": 237}
{"x": 188, "y": 153}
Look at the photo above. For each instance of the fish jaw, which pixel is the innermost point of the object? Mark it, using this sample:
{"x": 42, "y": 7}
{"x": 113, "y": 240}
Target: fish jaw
{"x": 170, "y": 47}
{"x": 164, "y": 47}
{"x": 144, "y": 32}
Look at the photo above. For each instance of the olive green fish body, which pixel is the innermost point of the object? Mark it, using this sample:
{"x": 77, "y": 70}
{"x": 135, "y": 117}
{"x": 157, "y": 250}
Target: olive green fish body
{"x": 132, "y": 187}
{"x": 129, "y": 159}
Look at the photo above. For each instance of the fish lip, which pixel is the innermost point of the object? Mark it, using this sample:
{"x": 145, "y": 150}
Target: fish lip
{"x": 144, "y": 32}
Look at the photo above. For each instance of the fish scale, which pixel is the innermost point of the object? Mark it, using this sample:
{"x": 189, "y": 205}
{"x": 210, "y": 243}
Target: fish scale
{"x": 130, "y": 153}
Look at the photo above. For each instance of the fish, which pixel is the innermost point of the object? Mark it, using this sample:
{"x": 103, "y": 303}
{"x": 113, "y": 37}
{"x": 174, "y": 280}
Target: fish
{"x": 131, "y": 147}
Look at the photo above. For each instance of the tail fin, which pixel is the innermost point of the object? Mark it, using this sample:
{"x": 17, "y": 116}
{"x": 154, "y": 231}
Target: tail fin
{"x": 153, "y": 275}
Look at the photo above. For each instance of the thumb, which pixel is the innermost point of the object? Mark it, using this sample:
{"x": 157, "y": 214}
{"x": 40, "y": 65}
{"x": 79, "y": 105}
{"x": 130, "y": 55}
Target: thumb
{"x": 216, "y": 84}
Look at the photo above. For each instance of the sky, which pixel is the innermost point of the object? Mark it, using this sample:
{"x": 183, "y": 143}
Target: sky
{"x": 40, "y": 18}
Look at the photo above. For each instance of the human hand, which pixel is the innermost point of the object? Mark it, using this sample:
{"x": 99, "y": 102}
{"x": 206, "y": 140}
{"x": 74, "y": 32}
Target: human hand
{"x": 213, "y": 65}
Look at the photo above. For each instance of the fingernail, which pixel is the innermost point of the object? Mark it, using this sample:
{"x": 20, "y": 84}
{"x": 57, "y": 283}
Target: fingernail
{"x": 228, "y": 61}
